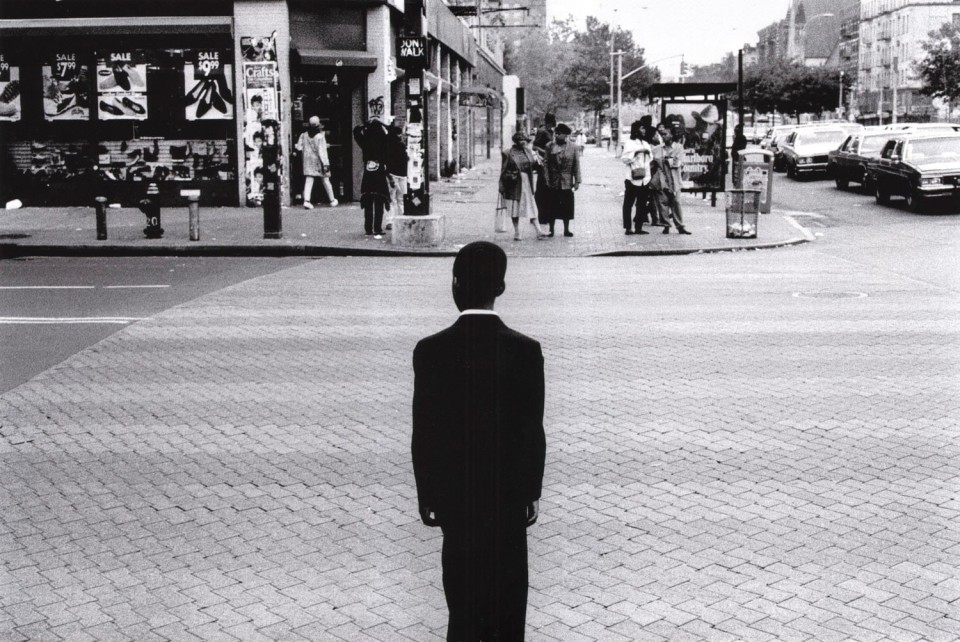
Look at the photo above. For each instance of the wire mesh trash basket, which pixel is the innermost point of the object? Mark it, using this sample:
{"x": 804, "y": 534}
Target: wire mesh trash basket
{"x": 743, "y": 212}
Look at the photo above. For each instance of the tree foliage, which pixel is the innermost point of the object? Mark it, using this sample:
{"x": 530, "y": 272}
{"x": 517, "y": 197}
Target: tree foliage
{"x": 724, "y": 71}
{"x": 589, "y": 75}
{"x": 539, "y": 60}
{"x": 791, "y": 88}
{"x": 939, "y": 69}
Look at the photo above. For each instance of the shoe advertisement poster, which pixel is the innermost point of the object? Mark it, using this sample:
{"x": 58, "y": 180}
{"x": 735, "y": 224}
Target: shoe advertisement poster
{"x": 208, "y": 78}
{"x": 122, "y": 85}
{"x": 9, "y": 90}
{"x": 701, "y": 128}
{"x": 65, "y": 91}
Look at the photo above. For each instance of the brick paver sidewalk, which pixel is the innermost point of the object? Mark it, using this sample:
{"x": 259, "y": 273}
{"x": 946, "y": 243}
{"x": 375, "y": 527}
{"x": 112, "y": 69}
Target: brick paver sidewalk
{"x": 735, "y": 452}
{"x": 468, "y": 202}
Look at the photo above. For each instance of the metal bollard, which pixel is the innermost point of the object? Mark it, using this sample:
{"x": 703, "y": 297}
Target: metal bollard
{"x": 150, "y": 206}
{"x": 193, "y": 203}
{"x": 101, "y": 208}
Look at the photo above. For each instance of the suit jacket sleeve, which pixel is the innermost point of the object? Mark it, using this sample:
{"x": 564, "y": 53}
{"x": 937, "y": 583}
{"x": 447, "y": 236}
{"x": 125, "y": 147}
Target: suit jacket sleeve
{"x": 533, "y": 435}
{"x": 426, "y": 467}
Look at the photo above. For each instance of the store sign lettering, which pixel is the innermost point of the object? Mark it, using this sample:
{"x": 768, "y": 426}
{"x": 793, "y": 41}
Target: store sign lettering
{"x": 66, "y": 65}
{"x": 259, "y": 72}
{"x": 121, "y": 57}
{"x": 207, "y": 64}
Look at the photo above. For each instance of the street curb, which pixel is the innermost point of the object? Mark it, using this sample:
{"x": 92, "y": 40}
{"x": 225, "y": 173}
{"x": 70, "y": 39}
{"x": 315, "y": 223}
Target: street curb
{"x": 13, "y": 250}
{"x": 703, "y": 250}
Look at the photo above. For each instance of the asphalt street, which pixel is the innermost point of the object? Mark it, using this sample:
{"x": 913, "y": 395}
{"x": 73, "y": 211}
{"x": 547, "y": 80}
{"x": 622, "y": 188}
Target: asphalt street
{"x": 54, "y": 307}
{"x": 754, "y": 445}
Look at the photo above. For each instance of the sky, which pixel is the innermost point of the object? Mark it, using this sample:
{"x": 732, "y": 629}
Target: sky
{"x": 702, "y": 30}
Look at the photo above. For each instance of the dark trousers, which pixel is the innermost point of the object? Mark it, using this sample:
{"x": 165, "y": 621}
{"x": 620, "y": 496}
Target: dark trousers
{"x": 638, "y": 197}
{"x": 373, "y": 215}
{"x": 485, "y": 581}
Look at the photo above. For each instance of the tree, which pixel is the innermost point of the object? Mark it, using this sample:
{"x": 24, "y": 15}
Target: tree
{"x": 589, "y": 74}
{"x": 791, "y": 88}
{"x": 939, "y": 70}
{"x": 539, "y": 60}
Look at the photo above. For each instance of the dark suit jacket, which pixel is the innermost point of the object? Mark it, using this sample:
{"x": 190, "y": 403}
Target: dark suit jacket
{"x": 478, "y": 441}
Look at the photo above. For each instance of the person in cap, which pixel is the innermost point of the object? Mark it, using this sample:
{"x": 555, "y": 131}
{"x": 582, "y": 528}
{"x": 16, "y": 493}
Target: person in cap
{"x": 516, "y": 184}
{"x": 563, "y": 179}
{"x": 478, "y": 448}
{"x": 316, "y": 162}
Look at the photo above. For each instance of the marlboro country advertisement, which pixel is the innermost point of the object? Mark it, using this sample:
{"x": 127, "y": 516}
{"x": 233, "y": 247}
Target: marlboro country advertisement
{"x": 66, "y": 94}
{"x": 9, "y": 90}
{"x": 122, "y": 85}
{"x": 701, "y": 127}
{"x": 208, "y": 80}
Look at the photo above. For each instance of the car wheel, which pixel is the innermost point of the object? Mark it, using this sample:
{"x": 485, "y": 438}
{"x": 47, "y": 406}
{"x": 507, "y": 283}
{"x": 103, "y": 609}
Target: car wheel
{"x": 792, "y": 171}
{"x": 842, "y": 183}
{"x": 914, "y": 201}
{"x": 883, "y": 196}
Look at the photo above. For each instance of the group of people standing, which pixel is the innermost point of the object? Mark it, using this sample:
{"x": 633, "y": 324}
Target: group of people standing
{"x": 654, "y": 160}
{"x": 538, "y": 179}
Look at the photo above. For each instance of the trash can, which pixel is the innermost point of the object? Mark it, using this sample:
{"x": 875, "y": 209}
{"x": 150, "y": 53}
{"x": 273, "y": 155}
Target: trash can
{"x": 743, "y": 213}
{"x": 755, "y": 173}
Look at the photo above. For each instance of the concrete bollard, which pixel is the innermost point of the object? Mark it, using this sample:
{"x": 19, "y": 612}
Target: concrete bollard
{"x": 193, "y": 203}
{"x": 101, "y": 208}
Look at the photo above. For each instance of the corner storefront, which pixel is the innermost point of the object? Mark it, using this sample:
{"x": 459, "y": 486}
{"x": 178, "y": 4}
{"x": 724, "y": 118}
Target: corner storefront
{"x": 97, "y": 101}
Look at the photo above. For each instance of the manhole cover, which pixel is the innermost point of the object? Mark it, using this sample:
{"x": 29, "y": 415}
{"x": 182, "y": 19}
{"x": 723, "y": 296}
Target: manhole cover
{"x": 830, "y": 295}
{"x": 14, "y": 236}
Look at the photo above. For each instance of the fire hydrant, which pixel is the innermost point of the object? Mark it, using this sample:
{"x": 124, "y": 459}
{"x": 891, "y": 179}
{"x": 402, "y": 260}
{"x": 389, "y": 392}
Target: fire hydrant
{"x": 150, "y": 206}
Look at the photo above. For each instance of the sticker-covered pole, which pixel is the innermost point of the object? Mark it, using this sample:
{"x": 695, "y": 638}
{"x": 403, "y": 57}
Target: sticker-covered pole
{"x": 412, "y": 56}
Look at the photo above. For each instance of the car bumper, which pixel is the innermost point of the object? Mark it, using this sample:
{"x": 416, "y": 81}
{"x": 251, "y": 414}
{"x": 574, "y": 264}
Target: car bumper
{"x": 811, "y": 167}
{"x": 934, "y": 191}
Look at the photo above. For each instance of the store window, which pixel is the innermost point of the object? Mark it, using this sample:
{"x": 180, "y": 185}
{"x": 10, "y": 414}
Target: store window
{"x": 110, "y": 114}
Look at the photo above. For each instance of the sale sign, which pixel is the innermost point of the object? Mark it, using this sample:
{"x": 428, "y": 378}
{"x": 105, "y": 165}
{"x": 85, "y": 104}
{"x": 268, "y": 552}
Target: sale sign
{"x": 65, "y": 90}
{"x": 9, "y": 90}
{"x": 208, "y": 82}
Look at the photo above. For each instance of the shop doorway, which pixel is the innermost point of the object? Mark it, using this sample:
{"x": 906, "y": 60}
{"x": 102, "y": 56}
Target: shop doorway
{"x": 328, "y": 95}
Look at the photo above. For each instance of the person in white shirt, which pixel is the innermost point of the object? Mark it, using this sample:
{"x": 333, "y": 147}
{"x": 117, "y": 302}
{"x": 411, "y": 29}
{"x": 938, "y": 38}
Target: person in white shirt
{"x": 636, "y": 156}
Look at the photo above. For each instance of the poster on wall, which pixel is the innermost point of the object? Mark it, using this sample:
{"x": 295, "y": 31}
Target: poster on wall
{"x": 122, "y": 85}
{"x": 66, "y": 93}
{"x": 208, "y": 80}
{"x": 261, "y": 102}
{"x": 9, "y": 90}
{"x": 703, "y": 130}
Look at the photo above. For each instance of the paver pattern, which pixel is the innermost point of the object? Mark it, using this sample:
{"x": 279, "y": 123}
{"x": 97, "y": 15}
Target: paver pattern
{"x": 727, "y": 460}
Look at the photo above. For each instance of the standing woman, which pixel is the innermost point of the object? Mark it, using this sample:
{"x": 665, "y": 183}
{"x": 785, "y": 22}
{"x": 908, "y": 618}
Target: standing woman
{"x": 316, "y": 162}
{"x": 637, "y": 155}
{"x": 541, "y": 143}
{"x": 563, "y": 178}
{"x": 516, "y": 184}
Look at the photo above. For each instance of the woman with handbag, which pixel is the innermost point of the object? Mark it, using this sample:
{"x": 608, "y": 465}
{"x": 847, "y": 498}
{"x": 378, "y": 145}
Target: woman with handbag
{"x": 636, "y": 155}
{"x": 316, "y": 162}
{"x": 516, "y": 184}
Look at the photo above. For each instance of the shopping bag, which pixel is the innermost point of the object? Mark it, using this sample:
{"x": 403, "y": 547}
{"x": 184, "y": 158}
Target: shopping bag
{"x": 500, "y": 219}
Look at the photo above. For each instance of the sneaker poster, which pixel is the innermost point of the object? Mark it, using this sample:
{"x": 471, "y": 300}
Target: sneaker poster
{"x": 9, "y": 90}
{"x": 208, "y": 82}
{"x": 122, "y": 85}
{"x": 65, "y": 92}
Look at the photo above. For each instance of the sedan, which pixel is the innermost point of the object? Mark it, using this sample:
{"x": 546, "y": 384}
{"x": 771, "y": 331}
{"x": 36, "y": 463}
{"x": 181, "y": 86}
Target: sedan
{"x": 919, "y": 168}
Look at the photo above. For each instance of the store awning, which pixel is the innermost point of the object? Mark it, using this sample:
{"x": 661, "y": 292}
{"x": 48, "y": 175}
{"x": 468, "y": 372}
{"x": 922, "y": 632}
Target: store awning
{"x": 479, "y": 91}
{"x": 140, "y": 25}
{"x": 339, "y": 58}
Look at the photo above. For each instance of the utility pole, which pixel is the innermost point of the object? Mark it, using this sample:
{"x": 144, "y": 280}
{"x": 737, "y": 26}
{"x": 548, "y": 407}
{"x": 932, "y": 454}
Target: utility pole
{"x": 619, "y": 93}
{"x": 611, "y": 86}
{"x": 740, "y": 86}
{"x": 896, "y": 81}
{"x": 840, "y": 98}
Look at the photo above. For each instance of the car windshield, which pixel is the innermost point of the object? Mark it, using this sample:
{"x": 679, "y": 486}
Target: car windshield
{"x": 817, "y": 137}
{"x": 933, "y": 150}
{"x": 872, "y": 145}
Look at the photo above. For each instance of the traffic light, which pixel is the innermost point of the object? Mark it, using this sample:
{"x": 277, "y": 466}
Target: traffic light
{"x": 683, "y": 68}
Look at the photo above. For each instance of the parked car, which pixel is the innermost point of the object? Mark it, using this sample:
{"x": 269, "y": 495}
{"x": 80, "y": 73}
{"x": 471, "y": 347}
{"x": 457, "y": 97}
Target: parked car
{"x": 774, "y": 143}
{"x": 807, "y": 149}
{"x": 849, "y": 163}
{"x": 932, "y": 128}
{"x": 918, "y": 167}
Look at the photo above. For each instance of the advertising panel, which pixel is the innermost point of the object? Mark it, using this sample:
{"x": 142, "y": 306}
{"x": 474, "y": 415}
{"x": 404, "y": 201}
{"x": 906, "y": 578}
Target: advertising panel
{"x": 66, "y": 94}
{"x": 261, "y": 102}
{"x": 701, "y": 127}
{"x": 208, "y": 80}
{"x": 122, "y": 85}
{"x": 9, "y": 90}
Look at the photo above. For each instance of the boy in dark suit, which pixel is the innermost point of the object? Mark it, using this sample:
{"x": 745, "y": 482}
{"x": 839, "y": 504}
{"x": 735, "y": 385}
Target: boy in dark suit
{"x": 478, "y": 451}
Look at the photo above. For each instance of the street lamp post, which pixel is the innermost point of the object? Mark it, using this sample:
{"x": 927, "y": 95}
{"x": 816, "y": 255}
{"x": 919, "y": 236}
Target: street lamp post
{"x": 840, "y": 99}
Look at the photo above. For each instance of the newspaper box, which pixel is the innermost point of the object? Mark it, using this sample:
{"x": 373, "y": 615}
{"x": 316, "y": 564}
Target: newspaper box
{"x": 743, "y": 212}
{"x": 753, "y": 169}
